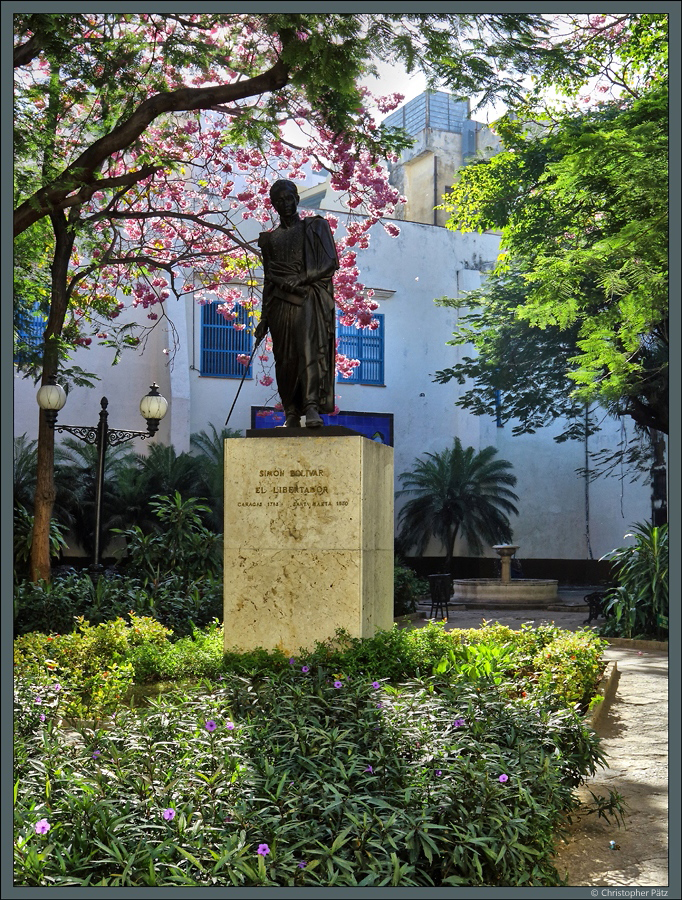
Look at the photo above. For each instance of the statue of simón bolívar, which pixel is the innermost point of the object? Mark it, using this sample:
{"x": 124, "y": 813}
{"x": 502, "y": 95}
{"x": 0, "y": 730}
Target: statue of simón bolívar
{"x": 299, "y": 260}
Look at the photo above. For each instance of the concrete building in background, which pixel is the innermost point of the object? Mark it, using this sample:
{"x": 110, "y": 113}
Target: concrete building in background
{"x": 563, "y": 521}
{"x": 445, "y": 139}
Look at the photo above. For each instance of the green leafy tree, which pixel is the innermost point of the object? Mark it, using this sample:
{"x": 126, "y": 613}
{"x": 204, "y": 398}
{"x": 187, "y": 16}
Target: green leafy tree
{"x": 459, "y": 492}
{"x": 582, "y": 275}
{"x": 572, "y": 325}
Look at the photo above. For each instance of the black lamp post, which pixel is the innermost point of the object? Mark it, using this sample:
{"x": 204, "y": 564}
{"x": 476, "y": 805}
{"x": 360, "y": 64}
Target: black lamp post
{"x": 52, "y": 397}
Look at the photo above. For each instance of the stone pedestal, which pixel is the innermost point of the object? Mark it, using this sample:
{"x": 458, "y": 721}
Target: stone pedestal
{"x": 308, "y": 540}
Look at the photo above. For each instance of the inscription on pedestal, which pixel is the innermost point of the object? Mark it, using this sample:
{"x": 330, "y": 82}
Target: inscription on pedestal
{"x": 308, "y": 539}
{"x": 297, "y": 488}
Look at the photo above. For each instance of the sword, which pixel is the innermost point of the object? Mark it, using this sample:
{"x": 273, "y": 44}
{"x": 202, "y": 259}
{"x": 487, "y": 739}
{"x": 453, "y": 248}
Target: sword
{"x": 246, "y": 369}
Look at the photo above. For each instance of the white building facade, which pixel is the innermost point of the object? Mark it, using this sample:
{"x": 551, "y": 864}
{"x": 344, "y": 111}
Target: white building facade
{"x": 561, "y": 517}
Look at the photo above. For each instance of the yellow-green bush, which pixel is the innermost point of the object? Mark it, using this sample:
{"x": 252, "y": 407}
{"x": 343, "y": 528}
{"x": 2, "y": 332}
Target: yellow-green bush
{"x": 571, "y": 666}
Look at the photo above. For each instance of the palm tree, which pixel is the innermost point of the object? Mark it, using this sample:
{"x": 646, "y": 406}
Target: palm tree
{"x": 209, "y": 454}
{"x": 457, "y": 491}
{"x": 76, "y": 485}
{"x": 24, "y": 471}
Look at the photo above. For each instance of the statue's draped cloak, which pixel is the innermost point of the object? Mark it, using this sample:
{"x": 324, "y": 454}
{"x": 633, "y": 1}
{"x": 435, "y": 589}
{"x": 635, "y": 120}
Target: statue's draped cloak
{"x": 302, "y": 326}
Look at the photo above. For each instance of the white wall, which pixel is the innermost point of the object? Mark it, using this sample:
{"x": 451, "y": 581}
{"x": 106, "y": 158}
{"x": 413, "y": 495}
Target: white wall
{"x": 423, "y": 263}
{"x": 123, "y": 385}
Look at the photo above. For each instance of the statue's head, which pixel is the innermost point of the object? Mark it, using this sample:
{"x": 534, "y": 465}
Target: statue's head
{"x": 281, "y": 187}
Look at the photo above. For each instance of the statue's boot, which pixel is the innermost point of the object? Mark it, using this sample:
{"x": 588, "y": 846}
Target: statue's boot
{"x": 293, "y": 420}
{"x": 312, "y": 418}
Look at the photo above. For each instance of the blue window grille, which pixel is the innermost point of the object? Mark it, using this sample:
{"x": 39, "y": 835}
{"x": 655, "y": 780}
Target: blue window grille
{"x": 221, "y": 343}
{"x": 498, "y": 409}
{"x": 367, "y": 345}
{"x": 29, "y": 328}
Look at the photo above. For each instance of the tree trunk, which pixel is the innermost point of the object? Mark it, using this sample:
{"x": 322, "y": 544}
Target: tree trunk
{"x": 450, "y": 551}
{"x": 43, "y": 503}
{"x": 45, "y": 491}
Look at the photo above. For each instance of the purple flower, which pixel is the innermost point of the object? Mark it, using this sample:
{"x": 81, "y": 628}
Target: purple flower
{"x": 56, "y": 687}
{"x": 503, "y": 778}
{"x": 292, "y": 661}
{"x": 305, "y": 669}
{"x": 370, "y": 770}
{"x": 96, "y": 754}
{"x": 376, "y": 685}
{"x": 438, "y": 773}
{"x": 42, "y": 717}
{"x": 169, "y": 814}
{"x": 303, "y": 863}
{"x": 39, "y": 700}
{"x": 42, "y": 826}
{"x": 338, "y": 684}
{"x": 210, "y": 725}
{"x": 458, "y": 723}
{"x": 263, "y": 850}
{"x": 380, "y": 705}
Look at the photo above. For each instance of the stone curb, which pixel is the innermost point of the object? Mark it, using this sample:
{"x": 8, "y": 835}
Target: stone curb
{"x": 607, "y": 688}
{"x": 634, "y": 644}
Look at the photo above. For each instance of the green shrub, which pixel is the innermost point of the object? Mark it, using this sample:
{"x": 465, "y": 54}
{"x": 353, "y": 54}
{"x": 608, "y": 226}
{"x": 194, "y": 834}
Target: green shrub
{"x": 181, "y": 547}
{"x": 638, "y": 606}
{"x": 563, "y": 665}
{"x": 571, "y": 666}
{"x": 346, "y": 783}
{"x": 408, "y": 588}
{"x": 56, "y": 606}
{"x": 45, "y": 606}
{"x": 92, "y": 664}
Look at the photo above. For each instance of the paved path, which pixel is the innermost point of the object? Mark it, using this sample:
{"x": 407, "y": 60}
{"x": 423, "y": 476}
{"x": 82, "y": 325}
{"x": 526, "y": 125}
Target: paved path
{"x": 634, "y": 730}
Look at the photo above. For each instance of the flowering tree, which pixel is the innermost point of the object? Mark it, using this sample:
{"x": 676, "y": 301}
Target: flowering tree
{"x": 147, "y": 140}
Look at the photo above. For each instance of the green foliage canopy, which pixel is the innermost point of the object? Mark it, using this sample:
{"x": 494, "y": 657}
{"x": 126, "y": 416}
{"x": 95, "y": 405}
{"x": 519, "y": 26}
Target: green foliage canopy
{"x": 576, "y": 309}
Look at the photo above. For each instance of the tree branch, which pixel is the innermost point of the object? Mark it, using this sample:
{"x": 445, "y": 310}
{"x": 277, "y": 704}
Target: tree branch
{"x": 169, "y": 215}
{"x": 82, "y": 171}
{"x": 128, "y": 180}
{"x": 24, "y": 53}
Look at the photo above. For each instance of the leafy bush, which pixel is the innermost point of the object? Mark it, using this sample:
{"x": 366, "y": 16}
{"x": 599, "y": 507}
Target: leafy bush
{"x": 570, "y": 667}
{"x": 182, "y": 546}
{"x": 567, "y": 669}
{"x": 638, "y": 606}
{"x": 92, "y": 665}
{"x": 303, "y": 779}
{"x": 408, "y": 588}
{"x": 56, "y": 606}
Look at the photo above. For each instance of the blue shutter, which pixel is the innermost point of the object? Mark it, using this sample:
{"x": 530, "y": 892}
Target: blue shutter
{"x": 221, "y": 343}
{"x": 30, "y": 327}
{"x": 367, "y": 345}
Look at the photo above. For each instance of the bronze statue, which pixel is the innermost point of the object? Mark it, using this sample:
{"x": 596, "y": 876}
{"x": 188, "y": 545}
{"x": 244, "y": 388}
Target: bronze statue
{"x": 299, "y": 260}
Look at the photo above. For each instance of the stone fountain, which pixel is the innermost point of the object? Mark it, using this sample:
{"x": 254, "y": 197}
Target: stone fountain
{"x": 528, "y": 593}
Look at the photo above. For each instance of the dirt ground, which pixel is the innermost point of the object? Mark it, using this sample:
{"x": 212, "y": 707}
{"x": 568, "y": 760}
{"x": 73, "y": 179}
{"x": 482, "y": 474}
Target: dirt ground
{"x": 634, "y": 730}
